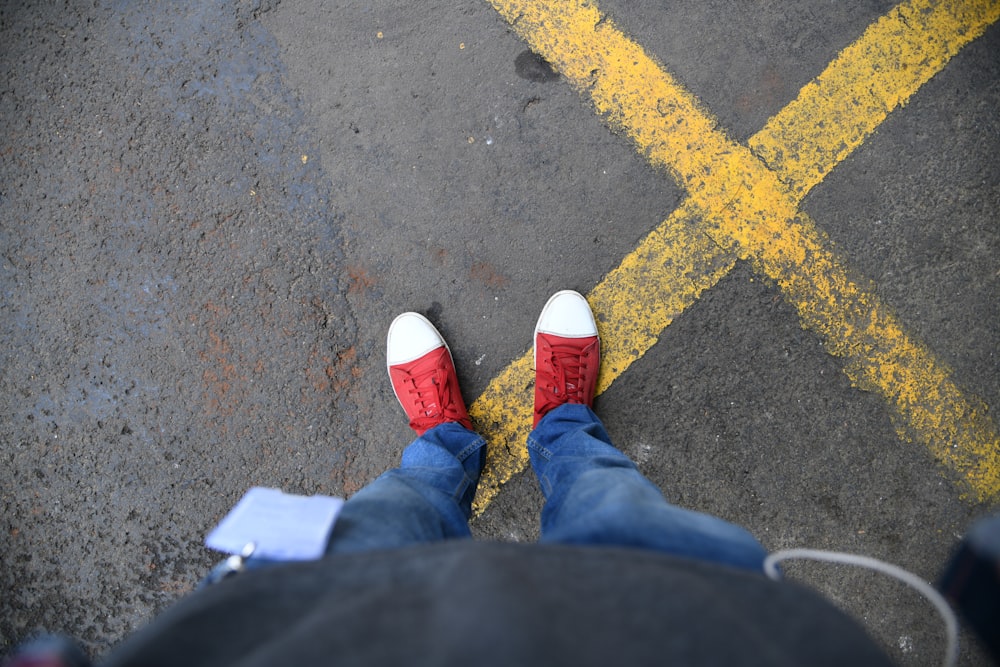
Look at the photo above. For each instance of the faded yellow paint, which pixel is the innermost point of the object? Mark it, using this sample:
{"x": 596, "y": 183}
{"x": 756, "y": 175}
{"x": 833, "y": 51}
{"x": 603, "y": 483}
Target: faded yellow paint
{"x": 875, "y": 75}
{"x": 664, "y": 275}
{"x": 654, "y": 284}
{"x": 750, "y": 210}
{"x": 503, "y": 415}
{"x": 880, "y": 356}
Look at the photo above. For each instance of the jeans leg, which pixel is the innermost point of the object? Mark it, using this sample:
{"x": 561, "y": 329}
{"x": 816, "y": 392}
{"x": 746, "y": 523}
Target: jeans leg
{"x": 428, "y": 497}
{"x": 595, "y": 495}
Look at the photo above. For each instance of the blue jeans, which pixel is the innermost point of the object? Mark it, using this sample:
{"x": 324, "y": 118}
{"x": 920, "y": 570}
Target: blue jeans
{"x": 593, "y": 495}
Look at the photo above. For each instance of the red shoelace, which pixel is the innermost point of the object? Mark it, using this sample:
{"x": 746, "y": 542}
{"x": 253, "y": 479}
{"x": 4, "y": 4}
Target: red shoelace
{"x": 428, "y": 391}
{"x": 566, "y": 372}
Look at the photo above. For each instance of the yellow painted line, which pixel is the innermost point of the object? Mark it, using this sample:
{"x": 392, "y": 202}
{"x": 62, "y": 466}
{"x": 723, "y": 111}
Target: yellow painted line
{"x": 750, "y": 211}
{"x": 870, "y": 78}
{"x": 879, "y": 355}
{"x": 633, "y": 304}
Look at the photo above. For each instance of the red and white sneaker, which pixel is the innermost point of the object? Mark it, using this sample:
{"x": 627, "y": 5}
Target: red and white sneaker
{"x": 567, "y": 353}
{"x": 423, "y": 375}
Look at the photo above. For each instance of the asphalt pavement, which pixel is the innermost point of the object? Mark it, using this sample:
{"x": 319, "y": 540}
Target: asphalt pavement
{"x": 210, "y": 213}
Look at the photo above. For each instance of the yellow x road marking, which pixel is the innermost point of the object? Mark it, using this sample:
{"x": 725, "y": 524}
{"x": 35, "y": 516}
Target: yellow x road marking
{"x": 743, "y": 202}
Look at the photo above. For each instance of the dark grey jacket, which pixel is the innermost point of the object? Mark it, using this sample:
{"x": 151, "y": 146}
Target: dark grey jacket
{"x": 481, "y": 603}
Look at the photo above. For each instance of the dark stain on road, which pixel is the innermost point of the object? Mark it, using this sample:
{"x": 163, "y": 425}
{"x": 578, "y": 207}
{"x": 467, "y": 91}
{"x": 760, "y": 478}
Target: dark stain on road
{"x": 531, "y": 66}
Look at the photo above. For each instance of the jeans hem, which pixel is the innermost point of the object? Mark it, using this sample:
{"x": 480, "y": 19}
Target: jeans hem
{"x": 471, "y": 449}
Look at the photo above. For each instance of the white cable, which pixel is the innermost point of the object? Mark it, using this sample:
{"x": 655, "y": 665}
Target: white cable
{"x": 950, "y": 622}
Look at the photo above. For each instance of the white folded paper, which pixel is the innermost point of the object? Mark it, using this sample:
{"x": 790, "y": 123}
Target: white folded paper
{"x": 282, "y": 526}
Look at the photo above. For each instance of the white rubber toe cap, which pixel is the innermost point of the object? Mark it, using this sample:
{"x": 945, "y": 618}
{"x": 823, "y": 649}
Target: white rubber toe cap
{"x": 567, "y": 314}
{"x": 410, "y": 337}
